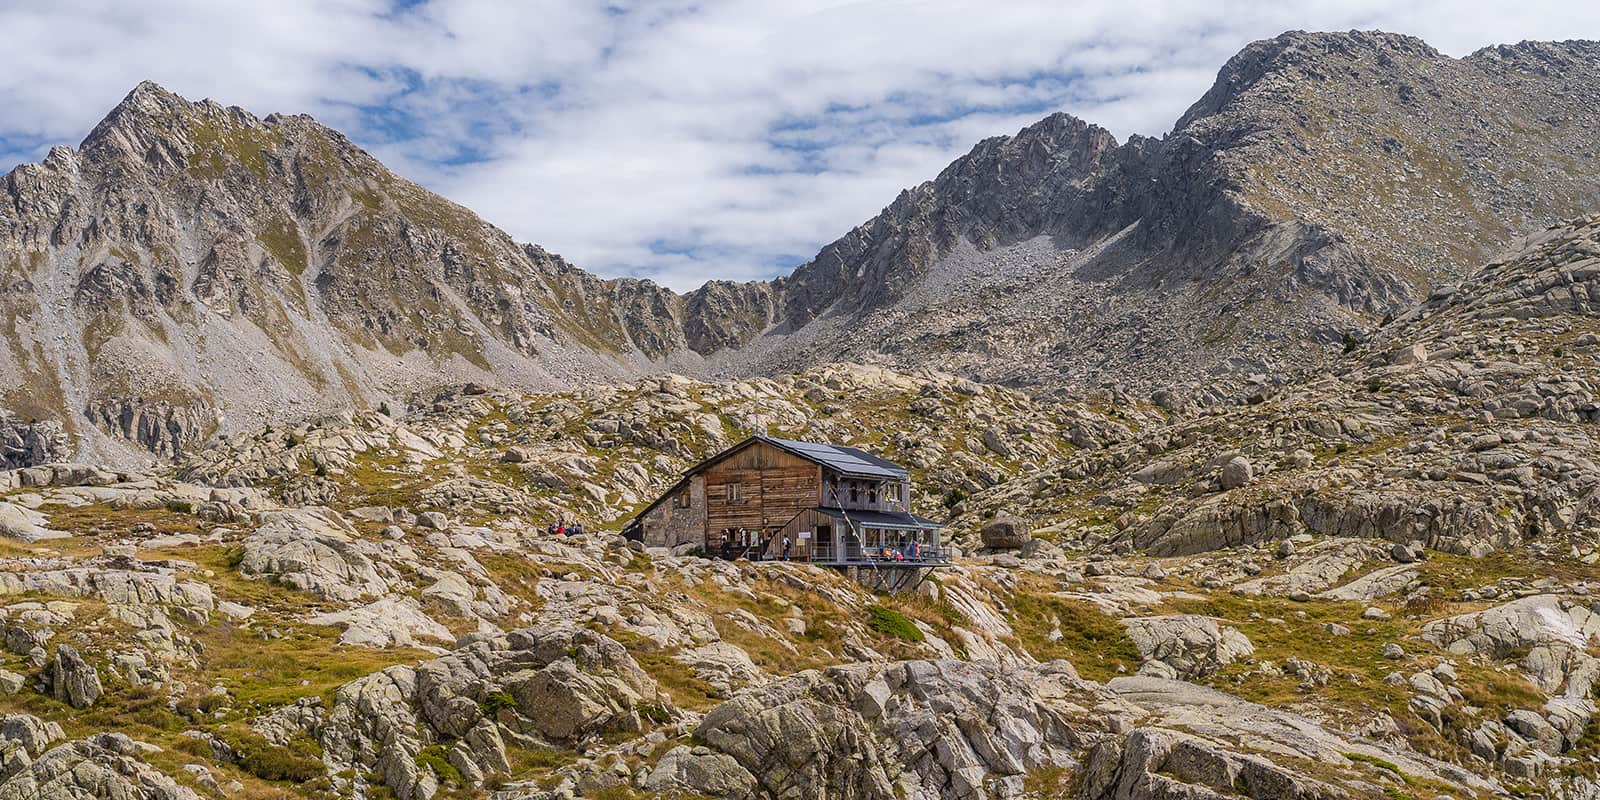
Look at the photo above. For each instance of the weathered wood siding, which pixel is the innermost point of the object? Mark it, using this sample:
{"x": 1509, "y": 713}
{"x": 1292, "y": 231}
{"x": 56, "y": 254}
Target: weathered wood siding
{"x": 807, "y": 520}
{"x": 869, "y": 495}
{"x": 774, "y": 486}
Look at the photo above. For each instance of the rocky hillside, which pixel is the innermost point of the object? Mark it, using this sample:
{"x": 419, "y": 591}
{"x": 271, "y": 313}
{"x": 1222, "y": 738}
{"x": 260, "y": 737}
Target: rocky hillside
{"x": 1377, "y": 584}
{"x": 1466, "y": 425}
{"x": 1324, "y": 182}
{"x": 192, "y": 269}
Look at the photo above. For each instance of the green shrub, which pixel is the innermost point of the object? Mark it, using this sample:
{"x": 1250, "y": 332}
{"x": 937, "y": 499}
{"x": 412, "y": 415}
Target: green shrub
{"x": 655, "y": 712}
{"x": 180, "y": 506}
{"x": 492, "y": 704}
{"x": 300, "y": 761}
{"x": 433, "y": 757}
{"x": 953, "y": 498}
{"x": 890, "y": 622}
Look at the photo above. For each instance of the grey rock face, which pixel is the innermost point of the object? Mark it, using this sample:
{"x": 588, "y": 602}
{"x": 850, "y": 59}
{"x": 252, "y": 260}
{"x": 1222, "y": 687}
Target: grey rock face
{"x": 160, "y": 427}
{"x": 944, "y": 729}
{"x": 29, "y": 443}
{"x": 72, "y": 680}
{"x": 1005, "y": 532}
{"x": 551, "y": 687}
{"x": 107, "y": 765}
{"x": 1191, "y": 645}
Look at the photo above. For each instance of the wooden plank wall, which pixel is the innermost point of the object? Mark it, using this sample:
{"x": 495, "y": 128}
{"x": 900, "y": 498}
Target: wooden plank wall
{"x": 776, "y": 485}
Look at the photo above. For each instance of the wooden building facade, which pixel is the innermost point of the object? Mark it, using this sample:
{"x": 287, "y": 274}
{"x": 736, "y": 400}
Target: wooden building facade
{"x": 768, "y": 499}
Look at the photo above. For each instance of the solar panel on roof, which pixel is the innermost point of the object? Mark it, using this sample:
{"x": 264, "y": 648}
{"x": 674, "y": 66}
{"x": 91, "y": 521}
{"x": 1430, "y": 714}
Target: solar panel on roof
{"x": 844, "y": 459}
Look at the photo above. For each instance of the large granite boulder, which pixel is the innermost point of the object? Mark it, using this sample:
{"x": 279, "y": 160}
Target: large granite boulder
{"x": 944, "y": 729}
{"x": 1191, "y": 645}
{"x": 554, "y": 686}
{"x": 1005, "y": 532}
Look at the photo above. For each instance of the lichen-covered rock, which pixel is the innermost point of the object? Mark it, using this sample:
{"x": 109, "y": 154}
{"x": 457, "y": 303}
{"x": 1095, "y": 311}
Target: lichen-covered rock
{"x": 1192, "y": 645}
{"x": 315, "y": 551}
{"x": 945, "y": 729}
{"x": 73, "y": 680}
{"x": 103, "y": 766}
{"x": 557, "y": 686}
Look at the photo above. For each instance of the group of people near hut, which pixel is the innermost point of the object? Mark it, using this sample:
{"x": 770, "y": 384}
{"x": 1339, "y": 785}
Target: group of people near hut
{"x": 561, "y": 528}
{"x": 903, "y": 551}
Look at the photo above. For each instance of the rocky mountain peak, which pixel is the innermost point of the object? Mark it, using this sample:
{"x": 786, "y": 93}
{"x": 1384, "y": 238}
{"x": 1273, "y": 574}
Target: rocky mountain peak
{"x": 1297, "y": 55}
{"x": 1543, "y": 58}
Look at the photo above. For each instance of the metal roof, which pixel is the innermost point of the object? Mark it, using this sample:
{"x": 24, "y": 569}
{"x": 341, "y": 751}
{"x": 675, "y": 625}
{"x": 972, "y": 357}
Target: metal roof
{"x": 848, "y": 460}
{"x": 899, "y": 520}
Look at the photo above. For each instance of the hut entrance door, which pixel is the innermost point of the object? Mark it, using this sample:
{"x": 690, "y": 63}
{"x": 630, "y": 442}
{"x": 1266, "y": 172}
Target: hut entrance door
{"x": 822, "y": 548}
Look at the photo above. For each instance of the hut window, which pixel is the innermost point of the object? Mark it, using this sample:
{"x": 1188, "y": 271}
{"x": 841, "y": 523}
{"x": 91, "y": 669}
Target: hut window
{"x": 855, "y": 492}
{"x": 680, "y": 500}
{"x": 891, "y": 493}
{"x": 872, "y": 495}
{"x": 735, "y": 492}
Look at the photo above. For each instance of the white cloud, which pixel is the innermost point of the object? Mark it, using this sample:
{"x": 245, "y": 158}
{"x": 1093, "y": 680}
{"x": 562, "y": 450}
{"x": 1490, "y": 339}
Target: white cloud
{"x": 674, "y": 139}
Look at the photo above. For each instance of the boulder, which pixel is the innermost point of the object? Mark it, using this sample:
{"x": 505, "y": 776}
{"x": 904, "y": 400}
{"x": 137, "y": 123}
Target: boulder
{"x": 700, "y": 770}
{"x": 936, "y": 729}
{"x": 73, "y": 680}
{"x": 1005, "y": 532}
{"x": 1190, "y": 644}
{"x": 1237, "y": 472}
{"x": 1410, "y": 354}
{"x": 313, "y": 550}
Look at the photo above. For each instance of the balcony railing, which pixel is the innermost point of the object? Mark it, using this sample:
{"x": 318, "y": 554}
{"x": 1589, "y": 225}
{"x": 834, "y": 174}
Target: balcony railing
{"x": 886, "y": 555}
{"x": 906, "y": 555}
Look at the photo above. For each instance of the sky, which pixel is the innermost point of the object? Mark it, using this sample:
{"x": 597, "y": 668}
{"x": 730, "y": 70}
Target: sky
{"x": 674, "y": 140}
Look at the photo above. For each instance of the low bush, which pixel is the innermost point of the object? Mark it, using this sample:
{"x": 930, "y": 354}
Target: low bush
{"x": 890, "y": 622}
{"x": 300, "y": 761}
